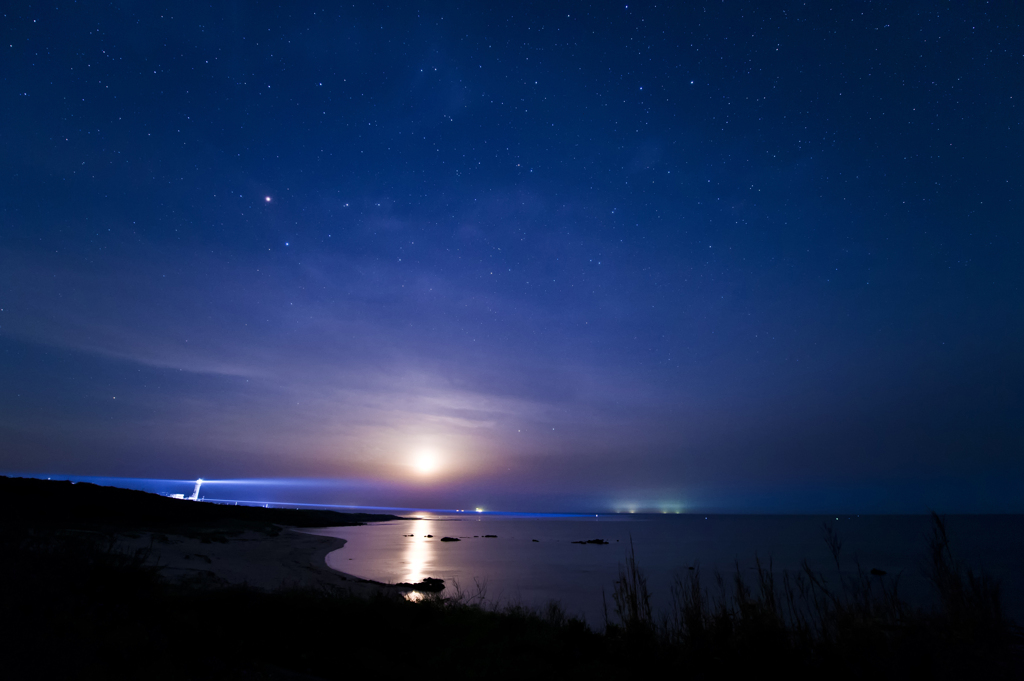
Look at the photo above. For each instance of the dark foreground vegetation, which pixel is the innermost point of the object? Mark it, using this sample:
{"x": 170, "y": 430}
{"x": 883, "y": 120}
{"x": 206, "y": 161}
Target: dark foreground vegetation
{"x": 76, "y": 606}
{"x": 854, "y": 626}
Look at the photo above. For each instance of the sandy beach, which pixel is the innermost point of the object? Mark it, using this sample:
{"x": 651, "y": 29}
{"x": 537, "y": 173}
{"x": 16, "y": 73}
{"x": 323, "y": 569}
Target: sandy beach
{"x": 295, "y": 558}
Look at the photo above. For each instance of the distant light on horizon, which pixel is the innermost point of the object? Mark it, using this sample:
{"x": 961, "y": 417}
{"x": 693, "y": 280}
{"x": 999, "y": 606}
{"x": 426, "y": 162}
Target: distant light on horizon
{"x": 662, "y": 507}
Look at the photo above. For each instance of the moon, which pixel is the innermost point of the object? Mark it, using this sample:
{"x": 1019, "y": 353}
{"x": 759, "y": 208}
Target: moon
{"x": 425, "y": 462}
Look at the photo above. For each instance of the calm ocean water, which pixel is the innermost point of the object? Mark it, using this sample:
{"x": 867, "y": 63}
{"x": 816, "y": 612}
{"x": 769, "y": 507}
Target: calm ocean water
{"x": 533, "y": 560}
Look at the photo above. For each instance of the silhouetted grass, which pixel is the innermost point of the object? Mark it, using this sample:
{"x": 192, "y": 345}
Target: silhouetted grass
{"x": 856, "y": 626}
{"x": 633, "y": 602}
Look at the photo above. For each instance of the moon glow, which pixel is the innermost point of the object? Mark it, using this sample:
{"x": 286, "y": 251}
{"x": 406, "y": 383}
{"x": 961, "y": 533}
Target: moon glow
{"x": 425, "y": 462}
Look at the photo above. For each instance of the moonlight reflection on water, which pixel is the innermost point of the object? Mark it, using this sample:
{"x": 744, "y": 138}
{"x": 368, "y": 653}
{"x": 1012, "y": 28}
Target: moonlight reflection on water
{"x": 535, "y": 559}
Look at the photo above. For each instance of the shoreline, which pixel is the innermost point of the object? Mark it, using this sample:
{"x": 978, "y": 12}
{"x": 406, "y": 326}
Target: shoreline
{"x": 294, "y": 558}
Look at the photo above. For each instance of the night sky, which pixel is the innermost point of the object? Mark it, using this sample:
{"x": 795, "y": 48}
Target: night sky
{"x": 735, "y": 256}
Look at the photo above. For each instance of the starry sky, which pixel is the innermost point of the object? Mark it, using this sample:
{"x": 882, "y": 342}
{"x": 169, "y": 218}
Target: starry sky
{"x": 737, "y": 256}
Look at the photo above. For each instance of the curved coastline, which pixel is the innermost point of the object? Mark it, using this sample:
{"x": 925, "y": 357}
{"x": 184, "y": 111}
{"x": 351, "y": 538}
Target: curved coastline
{"x": 427, "y": 585}
{"x": 295, "y": 558}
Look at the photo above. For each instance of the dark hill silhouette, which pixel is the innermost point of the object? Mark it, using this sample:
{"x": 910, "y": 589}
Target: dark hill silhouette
{"x": 32, "y": 502}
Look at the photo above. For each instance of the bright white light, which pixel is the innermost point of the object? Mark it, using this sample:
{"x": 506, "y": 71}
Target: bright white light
{"x": 425, "y": 462}
{"x": 267, "y": 198}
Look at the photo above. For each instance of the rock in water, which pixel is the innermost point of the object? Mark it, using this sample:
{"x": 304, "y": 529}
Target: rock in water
{"x": 431, "y": 584}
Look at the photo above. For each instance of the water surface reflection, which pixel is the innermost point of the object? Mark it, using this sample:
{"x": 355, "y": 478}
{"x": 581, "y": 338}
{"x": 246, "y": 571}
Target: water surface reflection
{"x": 418, "y": 553}
{"x": 531, "y": 560}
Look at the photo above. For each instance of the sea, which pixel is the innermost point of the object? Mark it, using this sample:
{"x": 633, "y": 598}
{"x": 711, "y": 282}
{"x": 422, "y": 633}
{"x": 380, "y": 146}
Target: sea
{"x": 533, "y": 559}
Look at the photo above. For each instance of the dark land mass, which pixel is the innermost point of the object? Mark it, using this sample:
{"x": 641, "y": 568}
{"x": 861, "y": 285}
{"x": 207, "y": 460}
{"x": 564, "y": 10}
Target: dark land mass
{"x": 78, "y": 605}
{"x": 31, "y": 502}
